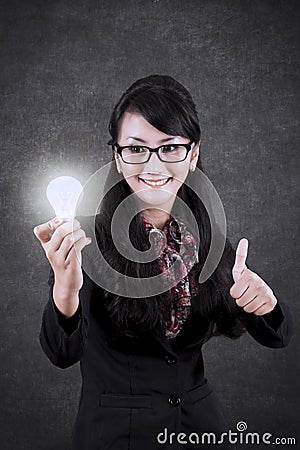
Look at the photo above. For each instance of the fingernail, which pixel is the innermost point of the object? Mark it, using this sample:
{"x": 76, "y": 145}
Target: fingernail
{"x": 56, "y": 220}
{"x": 89, "y": 239}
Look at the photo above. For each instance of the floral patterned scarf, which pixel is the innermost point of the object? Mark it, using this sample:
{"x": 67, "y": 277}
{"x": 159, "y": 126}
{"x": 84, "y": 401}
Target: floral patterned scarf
{"x": 171, "y": 240}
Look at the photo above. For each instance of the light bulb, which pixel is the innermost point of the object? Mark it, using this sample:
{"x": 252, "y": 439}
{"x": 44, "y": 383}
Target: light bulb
{"x": 64, "y": 194}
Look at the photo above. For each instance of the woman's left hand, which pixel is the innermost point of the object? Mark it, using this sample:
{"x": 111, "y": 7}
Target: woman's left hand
{"x": 250, "y": 291}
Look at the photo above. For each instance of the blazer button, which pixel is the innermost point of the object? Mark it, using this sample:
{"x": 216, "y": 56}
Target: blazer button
{"x": 170, "y": 360}
{"x": 174, "y": 400}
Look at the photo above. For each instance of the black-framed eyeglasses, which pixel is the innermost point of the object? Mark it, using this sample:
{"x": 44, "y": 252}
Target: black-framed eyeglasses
{"x": 140, "y": 154}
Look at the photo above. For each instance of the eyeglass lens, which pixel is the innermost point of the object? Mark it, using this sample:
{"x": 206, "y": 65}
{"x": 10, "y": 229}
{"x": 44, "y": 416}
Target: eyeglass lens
{"x": 139, "y": 155}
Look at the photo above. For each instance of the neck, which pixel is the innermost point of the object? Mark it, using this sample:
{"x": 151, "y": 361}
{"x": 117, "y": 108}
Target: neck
{"x": 157, "y": 217}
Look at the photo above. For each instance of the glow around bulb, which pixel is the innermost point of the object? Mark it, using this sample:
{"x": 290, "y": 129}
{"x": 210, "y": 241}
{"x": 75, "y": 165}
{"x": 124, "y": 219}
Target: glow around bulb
{"x": 64, "y": 194}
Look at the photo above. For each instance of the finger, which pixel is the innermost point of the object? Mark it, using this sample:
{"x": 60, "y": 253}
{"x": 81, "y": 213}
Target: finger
{"x": 240, "y": 259}
{"x": 263, "y": 309}
{"x": 254, "y": 305}
{"x": 64, "y": 229}
{"x": 44, "y": 231}
{"x": 245, "y": 296}
{"x": 68, "y": 241}
{"x": 75, "y": 251}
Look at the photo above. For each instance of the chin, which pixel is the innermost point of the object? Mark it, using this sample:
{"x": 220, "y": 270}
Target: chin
{"x": 155, "y": 198}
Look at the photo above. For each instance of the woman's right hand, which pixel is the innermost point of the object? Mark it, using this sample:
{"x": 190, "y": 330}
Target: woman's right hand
{"x": 62, "y": 243}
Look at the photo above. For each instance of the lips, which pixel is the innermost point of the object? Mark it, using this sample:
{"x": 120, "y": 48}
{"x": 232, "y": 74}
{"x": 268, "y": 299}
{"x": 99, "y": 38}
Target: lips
{"x": 156, "y": 182}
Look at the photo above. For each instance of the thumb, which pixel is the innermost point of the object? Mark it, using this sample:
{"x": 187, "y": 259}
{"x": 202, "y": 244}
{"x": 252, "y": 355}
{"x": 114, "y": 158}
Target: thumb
{"x": 44, "y": 231}
{"x": 240, "y": 259}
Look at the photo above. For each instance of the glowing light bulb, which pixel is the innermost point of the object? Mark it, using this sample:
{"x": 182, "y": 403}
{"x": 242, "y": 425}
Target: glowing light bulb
{"x": 64, "y": 194}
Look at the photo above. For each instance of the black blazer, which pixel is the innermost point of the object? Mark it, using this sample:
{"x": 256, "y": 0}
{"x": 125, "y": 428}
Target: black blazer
{"x": 134, "y": 391}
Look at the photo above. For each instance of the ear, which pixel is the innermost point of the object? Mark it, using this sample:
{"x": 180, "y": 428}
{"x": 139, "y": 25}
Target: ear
{"x": 195, "y": 155}
{"x": 118, "y": 159}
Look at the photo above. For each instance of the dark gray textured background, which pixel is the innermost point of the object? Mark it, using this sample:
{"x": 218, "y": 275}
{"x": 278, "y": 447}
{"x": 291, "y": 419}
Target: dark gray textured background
{"x": 64, "y": 64}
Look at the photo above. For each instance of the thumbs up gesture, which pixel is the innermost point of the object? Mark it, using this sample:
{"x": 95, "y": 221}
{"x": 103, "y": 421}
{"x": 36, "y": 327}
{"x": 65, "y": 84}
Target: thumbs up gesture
{"x": 249, "y": 290}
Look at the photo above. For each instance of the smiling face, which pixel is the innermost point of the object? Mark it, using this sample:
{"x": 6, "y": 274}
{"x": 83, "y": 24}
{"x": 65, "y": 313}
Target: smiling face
{"x": 135, "y": 130}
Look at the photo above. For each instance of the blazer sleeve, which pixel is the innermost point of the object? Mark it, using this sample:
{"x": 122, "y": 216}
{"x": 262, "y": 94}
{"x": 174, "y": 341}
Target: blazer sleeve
{"x": 62, "y": 339}
{"x": 272, "y": 330}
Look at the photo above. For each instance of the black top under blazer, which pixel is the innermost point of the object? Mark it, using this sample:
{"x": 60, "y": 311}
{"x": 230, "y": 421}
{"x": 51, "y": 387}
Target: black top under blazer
{"x": 132, "y": 389}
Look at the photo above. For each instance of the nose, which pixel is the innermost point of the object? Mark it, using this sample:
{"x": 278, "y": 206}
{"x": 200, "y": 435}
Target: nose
{"x": 154, "y": 164}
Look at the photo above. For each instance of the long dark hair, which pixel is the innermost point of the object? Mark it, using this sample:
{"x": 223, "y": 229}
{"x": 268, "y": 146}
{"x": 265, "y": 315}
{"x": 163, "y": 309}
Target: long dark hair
{"x": 168, "y": 107}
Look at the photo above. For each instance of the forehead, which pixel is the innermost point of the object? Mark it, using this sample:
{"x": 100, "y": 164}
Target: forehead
{"x": 133, "y": 124}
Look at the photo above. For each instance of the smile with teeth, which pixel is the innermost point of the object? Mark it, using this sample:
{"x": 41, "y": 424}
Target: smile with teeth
{"x": 156, "y": 183}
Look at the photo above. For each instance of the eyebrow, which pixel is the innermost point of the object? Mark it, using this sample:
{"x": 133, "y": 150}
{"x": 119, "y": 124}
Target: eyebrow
{"x": 142, "y": 140}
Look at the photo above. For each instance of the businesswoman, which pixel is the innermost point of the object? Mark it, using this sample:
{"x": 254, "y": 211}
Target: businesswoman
{"x": 143, "y": 381}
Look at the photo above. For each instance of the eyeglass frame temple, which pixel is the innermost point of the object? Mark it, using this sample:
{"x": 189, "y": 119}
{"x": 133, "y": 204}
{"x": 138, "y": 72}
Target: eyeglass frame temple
{"x": 119, "y": 149}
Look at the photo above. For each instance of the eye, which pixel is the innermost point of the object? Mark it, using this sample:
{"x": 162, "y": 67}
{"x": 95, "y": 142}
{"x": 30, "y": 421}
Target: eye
{"x": 169, "y": 148}
{"x": 137, "y": 149}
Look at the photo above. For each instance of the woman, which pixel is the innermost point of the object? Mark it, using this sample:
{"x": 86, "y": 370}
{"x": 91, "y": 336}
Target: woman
{"x": 141, "y": 361}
